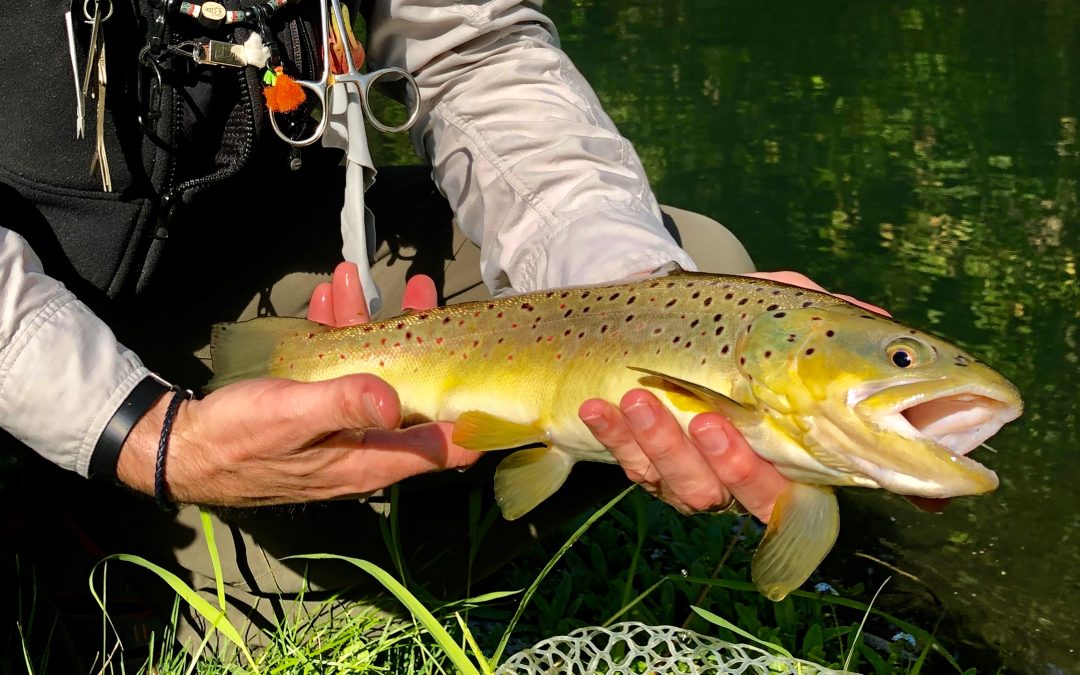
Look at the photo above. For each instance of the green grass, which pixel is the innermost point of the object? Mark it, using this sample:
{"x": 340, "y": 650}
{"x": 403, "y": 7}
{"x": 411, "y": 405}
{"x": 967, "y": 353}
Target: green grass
{"x": 633, "y": 559}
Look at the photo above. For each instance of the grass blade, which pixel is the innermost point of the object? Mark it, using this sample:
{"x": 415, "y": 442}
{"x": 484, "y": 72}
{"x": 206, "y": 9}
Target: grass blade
{"x": 497, "y": 656}
{"x": 454, "y": 651}
{"x": 215, "y": 617}
{"x": 724, "y": 623}
{"x": 215, "y": 559}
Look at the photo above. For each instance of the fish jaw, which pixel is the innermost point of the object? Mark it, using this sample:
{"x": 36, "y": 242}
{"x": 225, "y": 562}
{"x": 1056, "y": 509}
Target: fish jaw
{"x": 912, "y": 437}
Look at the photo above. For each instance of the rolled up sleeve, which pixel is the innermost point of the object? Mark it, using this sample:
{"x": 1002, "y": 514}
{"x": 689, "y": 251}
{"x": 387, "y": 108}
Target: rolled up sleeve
{"x": 535, "y": 170}
{"x": 62, "y": 372}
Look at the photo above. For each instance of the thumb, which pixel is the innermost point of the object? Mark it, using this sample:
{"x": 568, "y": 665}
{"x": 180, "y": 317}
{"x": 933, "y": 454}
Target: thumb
{"x": 348, "y": 402}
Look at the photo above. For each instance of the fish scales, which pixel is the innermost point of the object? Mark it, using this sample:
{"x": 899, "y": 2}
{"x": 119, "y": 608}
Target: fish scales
{"x": 830, "y": 393}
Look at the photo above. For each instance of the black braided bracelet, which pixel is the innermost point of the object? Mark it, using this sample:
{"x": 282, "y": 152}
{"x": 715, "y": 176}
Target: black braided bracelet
{"x": 179, "y": 395}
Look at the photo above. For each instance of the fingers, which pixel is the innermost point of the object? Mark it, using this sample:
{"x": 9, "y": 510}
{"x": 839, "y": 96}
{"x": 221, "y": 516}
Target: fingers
{"x": 653, "y": 450}
{"x": 321, "y": 306}
{"x": 864, "y": 305}
{"x": 420, "y": 293}
{"x": 350, "y": 306}
{"x": 754, "y": 482}
{"x": 420, "y": 449}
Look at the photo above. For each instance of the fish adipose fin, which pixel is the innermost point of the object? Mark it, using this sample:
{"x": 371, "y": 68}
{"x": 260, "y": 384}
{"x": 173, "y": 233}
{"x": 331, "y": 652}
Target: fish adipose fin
{"x": 702, "y": 399}
{"x": 528, "y": 477}
{"x": 481, "y": 431}
{"x": 242, "y": 350}
{"x": 802, "y": 530}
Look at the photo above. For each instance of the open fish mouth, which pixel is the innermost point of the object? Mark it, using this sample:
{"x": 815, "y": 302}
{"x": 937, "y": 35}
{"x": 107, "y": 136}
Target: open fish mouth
{"x": 948, "y": 419}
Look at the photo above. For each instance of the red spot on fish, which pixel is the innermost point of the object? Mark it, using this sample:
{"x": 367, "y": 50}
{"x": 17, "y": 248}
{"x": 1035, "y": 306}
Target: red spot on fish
{"x": 382, "y": 341}
{"x": 292, "y": 365}
{"x": 310, "y": 336}
{"x": 499, "y": 315}
{"x": 419, "y": 340}
{"x": 438, "y": 341}
{"x": 509, "y": 357}
{"x": 282, "y": 359}
{"x": 366, "y": 345}
{"x": 550, "y": 338}
{"x": 397, "y": 344}
{"x": 475, "y": 343}
{"x": 401, "y": 324}
{"x": 462, "y": 322}
{"x": 382, "y": 363}
{"x": 321, "y": 355}
{"x": 408, "y": 335}
{"x": 513, "y": 325}
{"x": 343, "y": 357}
{"x": 558, "y": 357}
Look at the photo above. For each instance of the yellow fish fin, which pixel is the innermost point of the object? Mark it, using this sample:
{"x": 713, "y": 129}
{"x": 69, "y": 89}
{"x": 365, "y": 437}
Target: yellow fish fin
{"x": 528, "y": 477}
{"x": 696, "y": 398}
{"x": 242, "y": 350}
{"x": 802, "y": 530}
{"x": 480, "y": 431}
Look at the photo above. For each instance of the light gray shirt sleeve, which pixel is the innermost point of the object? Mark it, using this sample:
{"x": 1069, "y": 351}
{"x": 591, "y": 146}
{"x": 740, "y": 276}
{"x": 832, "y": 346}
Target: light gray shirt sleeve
{"x": 62, "y": 372}
{"x": 535, "y": 171}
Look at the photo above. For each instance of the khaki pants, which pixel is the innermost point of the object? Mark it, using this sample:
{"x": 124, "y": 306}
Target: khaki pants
{"x": 432, "y": 511}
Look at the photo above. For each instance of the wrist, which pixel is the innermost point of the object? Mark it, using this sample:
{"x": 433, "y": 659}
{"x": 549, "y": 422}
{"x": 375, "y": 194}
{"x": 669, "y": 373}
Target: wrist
{"x": 139, "y": 455}
{"x": 143, "y": 397}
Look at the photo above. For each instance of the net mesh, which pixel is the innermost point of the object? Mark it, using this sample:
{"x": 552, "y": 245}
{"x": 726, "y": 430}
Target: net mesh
{"x": 633, "y": 648}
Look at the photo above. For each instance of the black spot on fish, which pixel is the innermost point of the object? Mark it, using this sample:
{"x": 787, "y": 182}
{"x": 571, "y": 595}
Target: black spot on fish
{"x": 613, "y": 296}
{"x": 807, "y": 304}
{"x": 581, "y": 335}
{"x": 719, "y": 330}
{"x": 446, "y": 320}
{"x": 676, "y": 340}
{"x": 867, "y": 316}
{"x": 687, "y": 345}
{"x": 777, "y": 292}
{"x": 729, "y": 296}
{"x": 810, "y": 351}
{"x": 799, "y": 294}
{"x": 585, "y": 295}
{"x": 771, "y": 308}
{"x": 671, "y": 302}
{"x": 603, "y": 329}
{"x": 742, "y": 302}
{"x": 768, "y": 354}
{"x": 567, "y": 333}
{"x": 830, "y": 333}
{"x": 696, "y": 295}
{"x": 629, "y": 318}
{"x": 779, "y": 315}
{"x": 491, "y": 305}
{"x": 586, "y": 310}
{"x": 791, "y": 337}
{"x": 694, "y": 323}
{"x": 717, "y": 317}
{"x": 724, "y": 349}
{"x": 631, "y": 300}
{"x": 708, "y": 301}
{"x": 568, "y": 313}
{"x": 408, "y": 335}
{"x": 564, "y": 294}
{"x": 742, "y": 360}
{"x": 657, "y": 331}
{"x": 527, "y": 307}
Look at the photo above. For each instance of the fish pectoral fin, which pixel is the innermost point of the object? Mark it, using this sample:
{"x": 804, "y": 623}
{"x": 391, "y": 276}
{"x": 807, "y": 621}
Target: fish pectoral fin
{"x": 692, "y": 397}
{"x": 528, "y": 477}
{"x": 801, "y": 531}
{"x": 480, "y": 431}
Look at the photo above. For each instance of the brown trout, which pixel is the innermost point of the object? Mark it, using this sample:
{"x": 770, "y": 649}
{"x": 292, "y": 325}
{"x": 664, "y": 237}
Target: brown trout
{"x": 830, "y": 393}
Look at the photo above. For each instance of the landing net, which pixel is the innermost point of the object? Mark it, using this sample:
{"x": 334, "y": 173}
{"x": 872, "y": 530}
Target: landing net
{"x": 631, "y": 648}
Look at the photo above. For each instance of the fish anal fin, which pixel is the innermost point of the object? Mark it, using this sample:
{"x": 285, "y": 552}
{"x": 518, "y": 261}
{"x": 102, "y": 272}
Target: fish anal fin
{"x": 480, "y": 431}
{"x": 526, "y": 478}
{"x": 683, "y": 393}
{"x": 801, "y": 532}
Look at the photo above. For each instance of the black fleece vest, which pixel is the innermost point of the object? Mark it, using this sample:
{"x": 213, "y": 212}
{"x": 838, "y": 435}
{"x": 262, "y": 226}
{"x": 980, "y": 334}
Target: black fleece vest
{"x": 211, "y": 134}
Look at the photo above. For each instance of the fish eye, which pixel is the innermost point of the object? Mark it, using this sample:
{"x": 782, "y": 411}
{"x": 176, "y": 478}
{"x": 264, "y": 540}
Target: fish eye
{"x": 907, "y": 352}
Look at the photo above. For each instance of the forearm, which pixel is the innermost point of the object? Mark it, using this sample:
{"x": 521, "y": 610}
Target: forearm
{"x": 62, "y": 372}
{"x": 537, "y": 173}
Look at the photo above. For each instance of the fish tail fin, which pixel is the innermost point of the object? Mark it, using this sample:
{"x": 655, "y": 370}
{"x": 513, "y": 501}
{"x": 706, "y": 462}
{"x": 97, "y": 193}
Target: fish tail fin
{"x": 241, "y": 350}
{"x": 802, "y": 530}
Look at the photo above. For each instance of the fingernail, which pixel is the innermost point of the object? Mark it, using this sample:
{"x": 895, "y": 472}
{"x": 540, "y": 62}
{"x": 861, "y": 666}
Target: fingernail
{"x": 371, "y": 405}
{"x": 596, "y": 423}
{"x": 712, "y": 440}
{"x": 640, "y": 415}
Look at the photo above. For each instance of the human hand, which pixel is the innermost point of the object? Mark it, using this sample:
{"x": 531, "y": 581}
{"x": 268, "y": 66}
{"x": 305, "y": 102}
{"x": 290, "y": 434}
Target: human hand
{"x": 700, "y": 472}
{"x": 273, "y": 441}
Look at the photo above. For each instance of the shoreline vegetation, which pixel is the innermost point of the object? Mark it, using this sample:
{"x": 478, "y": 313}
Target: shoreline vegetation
{"x": 633, "y": 559}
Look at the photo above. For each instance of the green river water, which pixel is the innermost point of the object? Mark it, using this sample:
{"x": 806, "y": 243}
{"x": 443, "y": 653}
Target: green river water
{"x": 924, "y": 156}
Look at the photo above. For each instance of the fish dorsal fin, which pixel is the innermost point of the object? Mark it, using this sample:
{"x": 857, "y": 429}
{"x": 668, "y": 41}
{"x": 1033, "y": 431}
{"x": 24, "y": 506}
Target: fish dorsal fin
{"x": 696, "y": 398}
{"x": 526, "y": 478}
{"x": 481, "y": 431}
{"x": 801, "y": 531}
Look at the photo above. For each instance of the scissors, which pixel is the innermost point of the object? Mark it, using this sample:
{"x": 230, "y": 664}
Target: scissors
{"x": 322, "y": 87}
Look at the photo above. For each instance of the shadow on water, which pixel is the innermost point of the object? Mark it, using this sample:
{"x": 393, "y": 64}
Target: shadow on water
{"x": 922, "y": 155}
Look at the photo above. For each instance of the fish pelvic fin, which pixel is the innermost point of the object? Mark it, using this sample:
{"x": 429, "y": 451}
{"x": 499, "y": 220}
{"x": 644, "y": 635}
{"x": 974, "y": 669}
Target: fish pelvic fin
{"x": 691, "y": 397}
{"x": 242, "y": 350}
{"x": 802, "y": 530}
{"x": 481, "y": 431}
{"x": 526, "y": 478}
